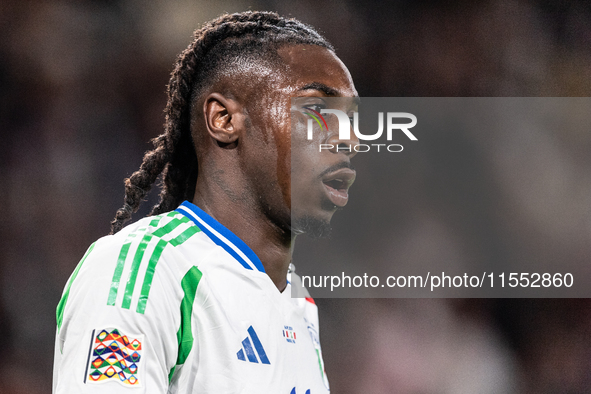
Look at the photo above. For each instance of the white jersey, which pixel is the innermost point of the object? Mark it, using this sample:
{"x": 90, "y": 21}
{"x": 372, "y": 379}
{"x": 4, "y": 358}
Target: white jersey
{"x": 177, "y": 303}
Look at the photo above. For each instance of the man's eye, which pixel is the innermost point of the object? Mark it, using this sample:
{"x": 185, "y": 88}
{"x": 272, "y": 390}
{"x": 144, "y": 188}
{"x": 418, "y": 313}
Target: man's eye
{"x": 352, "y": 118}
{"x": 315, "y": 107}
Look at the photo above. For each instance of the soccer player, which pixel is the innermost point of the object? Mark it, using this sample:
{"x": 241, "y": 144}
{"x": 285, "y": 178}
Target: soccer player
{"x": 196, "y": 298}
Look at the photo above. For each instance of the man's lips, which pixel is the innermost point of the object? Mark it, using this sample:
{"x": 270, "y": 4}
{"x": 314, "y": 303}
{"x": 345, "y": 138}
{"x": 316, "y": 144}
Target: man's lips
{"x": 337, "y": 185}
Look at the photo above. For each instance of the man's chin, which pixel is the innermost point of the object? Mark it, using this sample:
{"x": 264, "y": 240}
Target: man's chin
{"x": 312, "y": 226}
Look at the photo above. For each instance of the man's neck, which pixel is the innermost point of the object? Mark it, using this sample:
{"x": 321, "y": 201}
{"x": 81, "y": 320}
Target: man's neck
{"x": 270, "y": 243}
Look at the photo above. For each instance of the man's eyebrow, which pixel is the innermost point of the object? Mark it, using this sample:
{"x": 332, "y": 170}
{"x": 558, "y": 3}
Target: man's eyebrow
{"x": 321, "y": 87}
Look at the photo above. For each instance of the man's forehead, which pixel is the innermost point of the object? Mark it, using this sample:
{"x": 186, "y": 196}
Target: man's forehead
{"x": 311, "y": 67}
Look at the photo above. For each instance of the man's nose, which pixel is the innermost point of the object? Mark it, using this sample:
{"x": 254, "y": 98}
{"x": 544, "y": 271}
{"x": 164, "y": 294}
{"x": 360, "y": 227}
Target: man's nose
{"x": 346, "y": 146}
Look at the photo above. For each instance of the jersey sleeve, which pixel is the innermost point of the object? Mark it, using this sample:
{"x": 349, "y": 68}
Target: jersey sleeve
{"x": 118, "y": 321}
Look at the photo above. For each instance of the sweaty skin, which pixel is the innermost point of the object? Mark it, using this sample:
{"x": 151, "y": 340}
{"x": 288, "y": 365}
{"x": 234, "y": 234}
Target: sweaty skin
{"x": 243, "y": 136}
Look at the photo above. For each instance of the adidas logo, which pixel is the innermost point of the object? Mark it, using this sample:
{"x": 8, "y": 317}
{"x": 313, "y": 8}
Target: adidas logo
{"x": 293, "y": 391}
{"x": 251, "y": 347}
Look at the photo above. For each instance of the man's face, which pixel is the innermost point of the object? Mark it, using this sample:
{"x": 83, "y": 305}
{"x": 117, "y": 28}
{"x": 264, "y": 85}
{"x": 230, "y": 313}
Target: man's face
{"x": 307, "y": 186}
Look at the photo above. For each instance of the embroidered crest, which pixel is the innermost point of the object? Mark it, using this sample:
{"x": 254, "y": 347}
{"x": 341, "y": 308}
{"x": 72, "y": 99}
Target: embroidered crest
{"x": 289, "y": 334}
{"x": 316, "y": 342}
{"x": 114, "y": 357}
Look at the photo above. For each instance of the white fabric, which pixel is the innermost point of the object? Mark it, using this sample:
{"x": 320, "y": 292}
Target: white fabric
{"x": 229, "y": 300}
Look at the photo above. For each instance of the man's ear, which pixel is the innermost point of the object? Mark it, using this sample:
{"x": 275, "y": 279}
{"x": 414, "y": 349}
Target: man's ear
{"x": 224, "y": 118}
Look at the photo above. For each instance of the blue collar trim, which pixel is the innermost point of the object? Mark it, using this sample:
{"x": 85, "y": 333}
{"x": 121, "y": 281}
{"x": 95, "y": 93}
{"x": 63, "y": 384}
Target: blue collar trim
{"x": 221, "y": 236}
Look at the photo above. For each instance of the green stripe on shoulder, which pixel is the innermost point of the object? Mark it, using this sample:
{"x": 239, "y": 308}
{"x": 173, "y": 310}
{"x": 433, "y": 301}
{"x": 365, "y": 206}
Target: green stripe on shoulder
{"x": 135, "y": 267}
{"x": 59, "y": 313}
{"x": 185, "y": 235}
{"x": 148, "y": 278}
{"x": 160, "y": 232}
{"x": 141, "y": 305}
{"x": 189, "y": 284}
{"x": 119, "y": 269}
{"x": 116, "y": 281}
{"x": 174, "y": 223}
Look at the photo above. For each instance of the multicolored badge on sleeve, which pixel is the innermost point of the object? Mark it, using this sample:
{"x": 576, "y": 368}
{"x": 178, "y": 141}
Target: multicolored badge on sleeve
{"x": 114, "y": 356}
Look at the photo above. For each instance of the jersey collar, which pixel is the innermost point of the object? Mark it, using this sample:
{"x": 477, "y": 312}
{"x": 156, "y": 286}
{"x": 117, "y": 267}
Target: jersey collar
{"x": 221, "y": 236}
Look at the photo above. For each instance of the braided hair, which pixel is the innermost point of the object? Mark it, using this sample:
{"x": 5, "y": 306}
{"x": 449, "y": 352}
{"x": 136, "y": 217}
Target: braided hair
{"x": 215, "y": 46}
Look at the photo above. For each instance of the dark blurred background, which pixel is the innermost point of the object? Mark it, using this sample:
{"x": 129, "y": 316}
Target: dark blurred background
{"x": 82, "y": 92}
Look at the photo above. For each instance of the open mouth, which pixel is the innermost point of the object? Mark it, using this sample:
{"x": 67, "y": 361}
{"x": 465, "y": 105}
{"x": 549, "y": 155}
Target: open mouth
{"x": 337, "y": 186}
